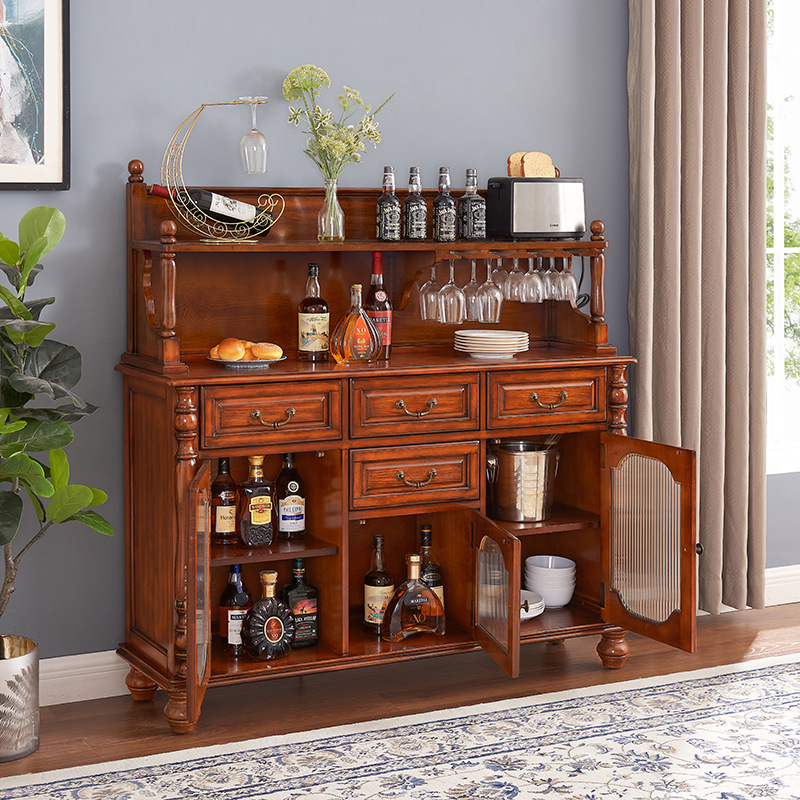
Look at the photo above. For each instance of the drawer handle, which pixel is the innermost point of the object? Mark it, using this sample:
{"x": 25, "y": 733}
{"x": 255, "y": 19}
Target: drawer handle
{"x": 401, "y": 404}
{"x": 256, "y": 414}
{"x": 401, "y": 476}
{"x": 534, "y": 398}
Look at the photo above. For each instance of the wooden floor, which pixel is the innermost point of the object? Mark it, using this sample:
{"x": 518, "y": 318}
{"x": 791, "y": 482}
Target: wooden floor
{"x": 117, "y": 727}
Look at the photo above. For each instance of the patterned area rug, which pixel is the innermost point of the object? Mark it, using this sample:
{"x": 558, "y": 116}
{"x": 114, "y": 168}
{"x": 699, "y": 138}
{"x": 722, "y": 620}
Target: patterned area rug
{"x": 729, "y": 733}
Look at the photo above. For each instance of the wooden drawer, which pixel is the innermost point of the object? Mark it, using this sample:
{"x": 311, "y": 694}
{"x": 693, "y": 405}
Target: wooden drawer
{"x": 395, "y": 406}
{"x": 271, "y": 414}
{"x": 384, "y": 477}
{"x": 549, "y": 397}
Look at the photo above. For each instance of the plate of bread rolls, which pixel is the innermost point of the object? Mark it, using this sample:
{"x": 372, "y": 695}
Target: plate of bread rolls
{"x": 243, "y": 354}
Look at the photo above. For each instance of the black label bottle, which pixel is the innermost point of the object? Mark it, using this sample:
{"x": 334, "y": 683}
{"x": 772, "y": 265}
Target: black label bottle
{"x": 379, "y": 307}
{"x": 444, "y": 210}
{"x": 290, "y": 497}
{"x": 302, "y": 600}
{"x": 378, "y": 587}
{"x": 256, "y": 506}
{"x": 313, "y": 321}
{"x": 390, "y": 213}
{"x": 471, "y": 210}
{"x": 415, "y": 210}
{"x": 413, "y": 608}
{"x": 430, "y": 568}
{"x": 268, "y": 627}
{"x": 233, "y": 607}
{"x": 223, "y": 505}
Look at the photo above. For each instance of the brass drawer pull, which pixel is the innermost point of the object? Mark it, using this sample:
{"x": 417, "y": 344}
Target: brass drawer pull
{"x": 401, "y": 476}
{"x": 256, "y": 414}
{"x": 401, "y": 404}
{"x": 534, "y": 398}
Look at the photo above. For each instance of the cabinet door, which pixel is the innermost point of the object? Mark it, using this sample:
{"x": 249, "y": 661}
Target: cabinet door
{"x": 496, "y": 600}
{"x": 648, "y": 512}
{"x": 198, "y": 578}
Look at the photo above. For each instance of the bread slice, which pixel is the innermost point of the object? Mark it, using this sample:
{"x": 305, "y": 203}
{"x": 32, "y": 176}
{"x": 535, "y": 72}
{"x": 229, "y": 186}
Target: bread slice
{"x": 537, "y": 165}
{"x": 515, "y": 165}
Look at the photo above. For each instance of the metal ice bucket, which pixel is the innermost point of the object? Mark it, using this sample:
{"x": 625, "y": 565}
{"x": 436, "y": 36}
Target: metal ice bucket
{"x": 520, "y": 475}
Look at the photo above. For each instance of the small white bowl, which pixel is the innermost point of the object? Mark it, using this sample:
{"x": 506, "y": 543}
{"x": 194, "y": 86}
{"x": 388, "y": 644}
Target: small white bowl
{"x": 535, "y": 585}
{"x": 550, "y": 562}
{"x": 555, "y": 597}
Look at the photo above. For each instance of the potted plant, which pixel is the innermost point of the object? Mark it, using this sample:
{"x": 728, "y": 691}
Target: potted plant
{"x": 33, "y": 369}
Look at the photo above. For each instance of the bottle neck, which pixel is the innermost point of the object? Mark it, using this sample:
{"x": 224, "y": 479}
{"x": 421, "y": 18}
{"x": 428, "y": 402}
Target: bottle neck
{"x": 377, "y": 269}
{"x": 413, "y": 571}
{"x": 224, "y": 467}
{"x": 312, "y": 286}
{"x": 444, "y": 183}
{"x": 472, "y": 184}
{"x": 414, "y": 183}
{"x": 388, "y": 182}
{"x": 256, "y": 471}
{"x": 378, "y": 561}
{"x": 355, "y": 297}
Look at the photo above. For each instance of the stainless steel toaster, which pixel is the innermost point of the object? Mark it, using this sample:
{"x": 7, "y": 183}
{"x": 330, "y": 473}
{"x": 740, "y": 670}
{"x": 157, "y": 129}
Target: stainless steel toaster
{"x": 535, "y": 208}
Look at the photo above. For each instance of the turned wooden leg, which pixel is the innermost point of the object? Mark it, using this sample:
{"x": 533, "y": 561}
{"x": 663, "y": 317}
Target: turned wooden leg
{"x": 175, "y": 712}
{"x": 612, "y": 648}
{"x": 140, "y": 686}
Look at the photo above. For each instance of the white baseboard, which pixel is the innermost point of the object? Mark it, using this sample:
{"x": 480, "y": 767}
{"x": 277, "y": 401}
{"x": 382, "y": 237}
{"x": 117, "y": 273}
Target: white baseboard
{"x": 68, "y": 679}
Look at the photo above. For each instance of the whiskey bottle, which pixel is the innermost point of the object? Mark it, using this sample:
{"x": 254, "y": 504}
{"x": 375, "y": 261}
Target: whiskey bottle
{"x": 430, "y": 568}
{"x": 444, "y": 210}
{"x": 355, "y": 338}
{"x": 290, "y": 497}
{"x": 313, "y": 321}
{"x": 268, "y": 627}
{"x": 256, "y": 506}
{"x": 302, "y": 600}
{"x": 415, "y": 209}
{"x": 413, "y": 608}
{"x": 223, "y": 505}
{"x": 379, "y": 307}
{"x": 471, "y": 210}
{"x": 233, "y": 606}
{"x": 390, "y": 211}
{"x": 378, "y": 587}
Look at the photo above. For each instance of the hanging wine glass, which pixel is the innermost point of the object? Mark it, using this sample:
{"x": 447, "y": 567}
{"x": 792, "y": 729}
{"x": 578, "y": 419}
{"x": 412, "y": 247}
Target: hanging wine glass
{"x": 566, "y": 280}
{"x": 532, "y": 289}
{"x": 550, "y": 281}
{"x": 490, "y": 297}
{"x": 254, "y": 146}
{"x": 512, "y": 290}
{"x": 471, "y": 295}
{"x": 500, "y": 276}
{"x": 429, "y": 297}
{"x": 452, "y": 303}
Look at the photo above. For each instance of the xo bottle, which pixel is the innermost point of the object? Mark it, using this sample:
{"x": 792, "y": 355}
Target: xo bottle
{"x": 356, "y": 338}
{"x": 256, "y": 506}
{"x": 378, "y": 587}
{"x": 390, "y": 212}
{"x": 233, "y": 607}
{"x": 413, "y": 608}
{"x": 313, "y": 321}
{"x": 471, "y": 210}
{"x": 379, "y": 307}
{"x": 415, "y": 209}
{"x": 302, "y": 600}
{"x": 444, "y": 210}
{"x": 223, "y": 505}
{"x": 268, "y": 627}
{"x": 290, "y": 497}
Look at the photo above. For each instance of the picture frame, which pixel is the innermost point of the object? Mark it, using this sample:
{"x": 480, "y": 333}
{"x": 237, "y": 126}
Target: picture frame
{"x": 34, "y": 95}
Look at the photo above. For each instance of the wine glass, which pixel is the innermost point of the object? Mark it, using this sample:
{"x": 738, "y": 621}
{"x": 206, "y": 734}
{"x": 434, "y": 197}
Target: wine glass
{"x": 500, "y": 276}
{"x": 551, "y": 290}
{"x": 254, "y": 145}
{"x": 532, "y": 289}
{"x": 490, "y": 297}
{"x": 566, "y": 280}
{"x": 429, "y": 297}
{"x": 512, "y": 290}
{"x": 471, "y": 295}
{"x": 452, "y": 303}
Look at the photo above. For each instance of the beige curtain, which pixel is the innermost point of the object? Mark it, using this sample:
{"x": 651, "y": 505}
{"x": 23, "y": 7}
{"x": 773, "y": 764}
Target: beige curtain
{"x": 697, "y": 300}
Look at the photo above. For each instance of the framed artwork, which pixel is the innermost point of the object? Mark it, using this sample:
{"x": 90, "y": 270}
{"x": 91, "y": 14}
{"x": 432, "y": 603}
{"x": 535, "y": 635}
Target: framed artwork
{"x": 34, "y": 94}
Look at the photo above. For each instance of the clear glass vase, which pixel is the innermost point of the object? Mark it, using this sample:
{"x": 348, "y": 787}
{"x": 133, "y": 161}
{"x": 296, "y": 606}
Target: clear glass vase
{"x": 330, "y": 221}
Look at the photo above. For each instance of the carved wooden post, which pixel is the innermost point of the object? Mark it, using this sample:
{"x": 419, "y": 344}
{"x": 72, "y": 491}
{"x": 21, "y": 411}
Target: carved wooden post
{"x": 618, "y": 400}
{"x": 597, "y": 265}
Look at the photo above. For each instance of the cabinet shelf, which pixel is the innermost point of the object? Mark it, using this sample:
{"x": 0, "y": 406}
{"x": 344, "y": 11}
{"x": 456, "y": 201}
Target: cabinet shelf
{"x": 566, "y": 622}
{"x": 562, "y": 518}
{"x": 280, "y": 550}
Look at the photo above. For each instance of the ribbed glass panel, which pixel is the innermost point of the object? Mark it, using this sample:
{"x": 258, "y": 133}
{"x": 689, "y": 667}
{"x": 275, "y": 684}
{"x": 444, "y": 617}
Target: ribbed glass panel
{"x": 492, "y": 614}
{"x": 645, "y": 538}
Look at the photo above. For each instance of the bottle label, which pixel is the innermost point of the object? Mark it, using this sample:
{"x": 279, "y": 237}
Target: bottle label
{"x": 273, "y": 629}
{"x": 389, "y": 222}
{"x": 382, "y": 320}
{"x": 416, "y": 220}
{"x": 230, "y": 623}
{"x": 439, "y": 592}
{"x": 261, "y": 510}
{"x": 375, "y": 600}
{"x": 444, "y": 224}
{"x": 225, "y": 519}
{"x": 231, "y": 208}
{"x": 292, "y": 512}
{"x": 313, "y": 332}
{"x": 362, "y": 340}
{"x": 472, "y": 218}
{"x": 304, "y": 612}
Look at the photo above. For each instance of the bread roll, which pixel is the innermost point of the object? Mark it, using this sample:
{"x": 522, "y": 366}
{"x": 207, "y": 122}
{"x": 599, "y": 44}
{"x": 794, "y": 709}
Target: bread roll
{"x": 231, "y": 349}
{"x": 267, "y": 350}
{"x": 537, "y": 165}
{"x": 214, "y": 351}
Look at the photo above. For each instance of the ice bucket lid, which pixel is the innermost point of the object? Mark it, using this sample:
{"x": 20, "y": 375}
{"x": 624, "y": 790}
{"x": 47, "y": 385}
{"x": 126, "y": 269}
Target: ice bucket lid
{"x": 521, "y": 445}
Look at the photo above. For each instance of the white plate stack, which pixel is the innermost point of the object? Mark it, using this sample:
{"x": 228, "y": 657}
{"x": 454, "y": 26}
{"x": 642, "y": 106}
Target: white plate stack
{"x": 535, "y": 604}
{"x": 491, "y": 344}
{"x": 552, "y": 577}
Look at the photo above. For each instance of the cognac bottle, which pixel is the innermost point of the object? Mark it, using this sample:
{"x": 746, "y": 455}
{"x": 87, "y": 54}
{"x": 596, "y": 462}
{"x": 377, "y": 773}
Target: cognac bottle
{"x": 355, "y": 338}
{"x": 256, "y": 506}
{"x": 378, "y": 587}
{"x": 290, "y": 497}
{"x": 268, "y": 627}
{"x": 415, "y": 209}
{"x": 471, "y": 210}
{"x": 302, "y": 600}
{"x": 313, "y": 321}
{"x": 233, "y": 606}
{"x": 413, "y": 608}
{"x": 223, "y": 505}
{"x": 390, "y": 211}
{"x": 430, "y": 568}
{"x": 444, "y": 210}
{"x": 379, "y": 307}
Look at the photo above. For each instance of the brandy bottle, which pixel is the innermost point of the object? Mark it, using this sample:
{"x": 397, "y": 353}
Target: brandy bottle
{"x": 415, "y": 209}
{"x": 313, "y": 321}
{"x": 268, "y": 627}
{"x": 233, "y": 606}
{"x": 223, "y": 505}
{"x": 430, "y": 568}
{"x": 355, "y": 338}
{"x": 256, "y": 506}
{"x": 302, "y": 600}
{"x": 290, "y": 497}
{"x": 378, "y": 587}
{"x": 471, "y": 210}
{"x": 390, "y": 212}
{"x": 413, "y": 608}
{"x": 379, "y": 307}
{"x": 444, "y": 210}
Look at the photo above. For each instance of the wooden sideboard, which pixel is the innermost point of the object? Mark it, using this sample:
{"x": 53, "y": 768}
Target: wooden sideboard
{"x": 624, "y": 509}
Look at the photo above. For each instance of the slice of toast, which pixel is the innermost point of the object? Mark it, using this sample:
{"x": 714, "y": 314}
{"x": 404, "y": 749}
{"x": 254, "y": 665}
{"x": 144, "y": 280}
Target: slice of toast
{"x": 537, "y": 165}
{"x": 515, "y": 165}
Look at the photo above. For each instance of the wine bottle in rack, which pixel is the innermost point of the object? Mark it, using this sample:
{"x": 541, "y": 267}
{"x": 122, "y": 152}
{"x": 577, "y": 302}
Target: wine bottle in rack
{"x": 415, "y": 209}
{"x": 302, "y": 599}
{"x": 223, "y": 505}
{"x": 444, "y": 210}
{"x": 378, "y": 587}
{"x": 390, "y": 212}
{"x": 471, "y": 210}
{"x": 268, "y": 627}
{"x": 233, "y": 607}
{"x": 413, "y": 608}
{"x": 430, "y": 568}
{"x": 313, "y": 321}
{"x": 290, "y": 497}
{"x": 379, "y": 307}
{"x": 256, "y": 510}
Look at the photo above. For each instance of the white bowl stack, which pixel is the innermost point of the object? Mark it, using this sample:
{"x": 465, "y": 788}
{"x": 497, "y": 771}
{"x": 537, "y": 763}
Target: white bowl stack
{"x": 491, "y": 344}
{"x": 552, "y": 577}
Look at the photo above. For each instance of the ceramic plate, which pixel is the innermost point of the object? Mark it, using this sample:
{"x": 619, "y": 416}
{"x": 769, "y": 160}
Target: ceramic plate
{"x": 261, "y": 363}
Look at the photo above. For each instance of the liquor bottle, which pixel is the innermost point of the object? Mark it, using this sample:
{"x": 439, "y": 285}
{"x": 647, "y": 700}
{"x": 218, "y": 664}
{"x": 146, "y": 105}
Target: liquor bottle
{"x": 256, "y": 506}
{"x": 430, "y": 568}
{"x": 268, "y": 627}
{"x": 471, "y": 210}
{"x": 355, "y": 338}
{"x": 378, "y": 587}
{"x": 413, "y": 608}
{"x": 313, "y": 321}
{"x": 290, "y": 497}
{"x": 233, "y": 606}
{"x": 415, "y": 208}
{"x": 302, "y": 600}
{"x": 390, "y": 212}
{"x": 444, "y": 210}
{"x": 379, "y": 307}
{"x": 223, "y": 505}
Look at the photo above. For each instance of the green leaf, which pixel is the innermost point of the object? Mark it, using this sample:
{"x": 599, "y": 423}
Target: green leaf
{"x": 51, "y": 369}
{"x": 98, "y": 497}
{"x": 36, "y": 502}
{"x": 10, "y": 516}
{"x": 36, "y": 437}
{"x": 67, "y": 413}
{"x": 94, "y": 520}
{"x": 68, "y": 501}
{"x": 28, "y": 472}
{"x": 59, "y": 468}
{"x": 9, "y": 252}
{"x": 41, "y": 222}
{"x": 28, "y": 331}
{"x": 14, "y": 303}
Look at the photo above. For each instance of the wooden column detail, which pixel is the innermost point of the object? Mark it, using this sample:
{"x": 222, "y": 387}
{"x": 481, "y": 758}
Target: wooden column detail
{"x": 597, "y": 267}
{"x": 618, "y": 399}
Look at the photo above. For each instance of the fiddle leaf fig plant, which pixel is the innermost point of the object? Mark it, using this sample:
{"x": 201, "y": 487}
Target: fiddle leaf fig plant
{"x": 35, "y": 368}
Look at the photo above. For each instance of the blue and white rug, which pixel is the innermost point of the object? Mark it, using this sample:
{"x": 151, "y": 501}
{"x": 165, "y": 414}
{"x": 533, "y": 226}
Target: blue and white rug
{"x": 731, "y": 733}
